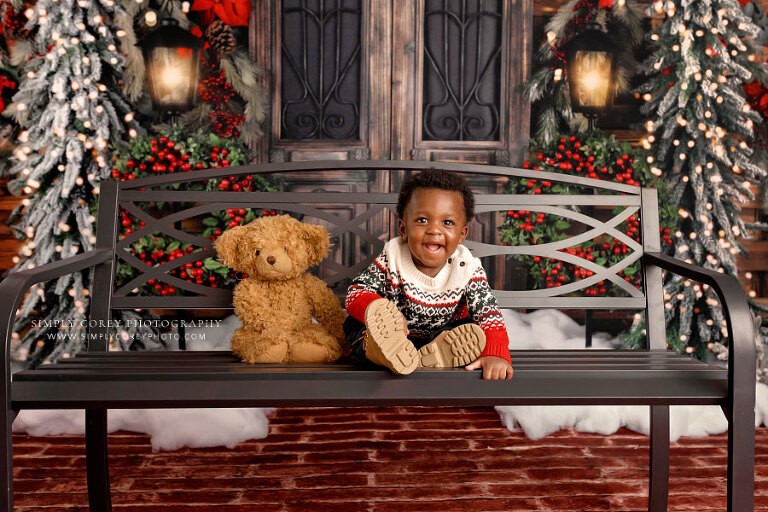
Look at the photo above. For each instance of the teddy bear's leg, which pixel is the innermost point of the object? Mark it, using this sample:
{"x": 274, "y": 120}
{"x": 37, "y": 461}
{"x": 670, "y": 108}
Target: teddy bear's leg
{"x": 268, "y": 346}
{"x": 314, "y": 345}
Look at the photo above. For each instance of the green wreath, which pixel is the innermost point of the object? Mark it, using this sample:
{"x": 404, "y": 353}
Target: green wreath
{"x": 177, "y": 151}
{"x": 592, "y": 156}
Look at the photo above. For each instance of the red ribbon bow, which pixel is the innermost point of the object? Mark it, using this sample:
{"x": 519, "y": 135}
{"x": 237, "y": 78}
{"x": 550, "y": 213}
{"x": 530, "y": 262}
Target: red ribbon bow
{"x": 231, "y": 12}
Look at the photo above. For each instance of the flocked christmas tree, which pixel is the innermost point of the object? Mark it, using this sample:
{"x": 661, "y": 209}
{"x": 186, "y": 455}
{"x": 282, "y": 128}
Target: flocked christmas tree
{"x": 71, "y": 110}
{"x": 699, "y": 127}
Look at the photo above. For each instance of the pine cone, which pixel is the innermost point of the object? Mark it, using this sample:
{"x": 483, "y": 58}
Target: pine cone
{"x": 221, "y": 37}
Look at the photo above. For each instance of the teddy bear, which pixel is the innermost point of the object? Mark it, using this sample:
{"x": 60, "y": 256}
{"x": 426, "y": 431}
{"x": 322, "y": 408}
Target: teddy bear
{"x": 278, "y": 299}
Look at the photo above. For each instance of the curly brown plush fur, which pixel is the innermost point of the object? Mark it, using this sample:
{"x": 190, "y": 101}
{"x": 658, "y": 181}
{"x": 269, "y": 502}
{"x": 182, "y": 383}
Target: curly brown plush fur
{"x": 277, "y": 301}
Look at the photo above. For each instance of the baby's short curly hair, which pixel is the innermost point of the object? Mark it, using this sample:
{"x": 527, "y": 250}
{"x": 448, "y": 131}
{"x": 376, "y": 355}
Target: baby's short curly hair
{"x": 435, "y": 178}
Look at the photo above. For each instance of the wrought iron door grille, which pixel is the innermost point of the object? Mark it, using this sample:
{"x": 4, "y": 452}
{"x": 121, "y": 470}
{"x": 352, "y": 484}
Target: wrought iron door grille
{"x": 320, "y": 82}
{"x": 462, "y": 70}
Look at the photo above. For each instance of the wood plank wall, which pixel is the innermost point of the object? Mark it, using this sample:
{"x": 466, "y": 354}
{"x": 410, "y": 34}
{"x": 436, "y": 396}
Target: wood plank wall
{"x": 9, "y": 246}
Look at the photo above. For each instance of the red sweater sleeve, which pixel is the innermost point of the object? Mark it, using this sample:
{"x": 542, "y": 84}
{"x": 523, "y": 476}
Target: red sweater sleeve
{"x": 358, "y": 300}
{"x": 496, "y": 342}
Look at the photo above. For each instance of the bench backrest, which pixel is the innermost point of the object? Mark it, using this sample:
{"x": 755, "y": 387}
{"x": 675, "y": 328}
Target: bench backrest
{"x": 361, "y": 223}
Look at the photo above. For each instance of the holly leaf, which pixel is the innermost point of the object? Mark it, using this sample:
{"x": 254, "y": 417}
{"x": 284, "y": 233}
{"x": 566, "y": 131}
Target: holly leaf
{"x": 210, "y": 221}
{"x": 212, "y": 264}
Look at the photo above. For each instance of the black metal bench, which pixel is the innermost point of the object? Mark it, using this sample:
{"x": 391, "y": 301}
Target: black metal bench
{"x": 98, "y": 380}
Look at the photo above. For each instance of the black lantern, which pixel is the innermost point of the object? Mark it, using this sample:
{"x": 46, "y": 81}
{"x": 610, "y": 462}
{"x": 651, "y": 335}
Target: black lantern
{"x": 591, "y": 62}
{"x": 171, "y": 56}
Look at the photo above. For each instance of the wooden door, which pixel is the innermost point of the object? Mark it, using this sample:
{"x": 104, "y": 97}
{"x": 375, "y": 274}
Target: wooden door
{"x": 394, "y": 79}
{"x": 430, "y": 80}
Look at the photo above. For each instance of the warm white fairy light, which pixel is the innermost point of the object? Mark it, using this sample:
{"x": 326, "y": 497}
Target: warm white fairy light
{"x": 128, "y": 117}
{"x": 132, "y": 132}
{"x": 676, "y": 142}
{"x": 185, "y": 7}
{"x": 64, "y": 226}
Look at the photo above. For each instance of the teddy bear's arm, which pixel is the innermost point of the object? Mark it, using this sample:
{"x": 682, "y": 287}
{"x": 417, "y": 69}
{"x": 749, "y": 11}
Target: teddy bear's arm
{"x": 325, "y": 306}
{"x": 248, "y": 299}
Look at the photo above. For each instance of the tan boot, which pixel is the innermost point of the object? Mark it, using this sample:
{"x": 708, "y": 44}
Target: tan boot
{"x": 457, "y": 347}
{"x": 385, "y": 341}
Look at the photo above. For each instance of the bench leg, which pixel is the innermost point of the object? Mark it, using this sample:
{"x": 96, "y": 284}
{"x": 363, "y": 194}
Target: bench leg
{"x": 96, "y": 460}
{"x": 741, "y": 455}
{"x": 658, "y": 489}
{"x": 6, "y": 471}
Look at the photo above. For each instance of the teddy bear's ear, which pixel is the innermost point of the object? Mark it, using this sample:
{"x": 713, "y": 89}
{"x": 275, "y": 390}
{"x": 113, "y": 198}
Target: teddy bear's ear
{"x": 318, "y": 241}
{"x": 227, "y": 246}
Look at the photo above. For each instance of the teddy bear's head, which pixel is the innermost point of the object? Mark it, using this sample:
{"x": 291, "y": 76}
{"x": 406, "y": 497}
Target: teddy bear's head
{"x": 273, "y": 248}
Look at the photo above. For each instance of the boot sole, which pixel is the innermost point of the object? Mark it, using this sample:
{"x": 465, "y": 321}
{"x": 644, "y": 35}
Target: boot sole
{"x": 457, "y": 347}
{"x": 387, "y": 337}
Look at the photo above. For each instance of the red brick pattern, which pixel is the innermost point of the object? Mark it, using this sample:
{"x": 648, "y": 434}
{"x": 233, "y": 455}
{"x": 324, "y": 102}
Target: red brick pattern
{"x": 382, "y": 460}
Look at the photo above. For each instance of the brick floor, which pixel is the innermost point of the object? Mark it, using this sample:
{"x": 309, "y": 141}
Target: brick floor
{"x": 381, "y": 460}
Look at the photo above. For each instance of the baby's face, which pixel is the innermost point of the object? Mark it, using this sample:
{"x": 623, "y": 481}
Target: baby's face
{"x": 434, "y": 224}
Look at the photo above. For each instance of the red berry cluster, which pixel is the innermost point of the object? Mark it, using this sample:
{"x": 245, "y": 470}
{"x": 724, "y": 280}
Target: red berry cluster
{"x": 226, "y": 124}
{"x": 215, "y": 89}
{"x": 571, "y": 159}
{"x": 13, "y": 22}
{"x": 127, "y": 222}
{"x": 165, "y": 157}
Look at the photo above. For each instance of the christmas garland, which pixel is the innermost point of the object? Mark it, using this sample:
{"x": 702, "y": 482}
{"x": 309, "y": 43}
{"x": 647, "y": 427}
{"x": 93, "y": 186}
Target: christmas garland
{"x": 593, "y": 156}
{"x": 548, "y": 88}
{"x": 11, "y": 57}
{"x": 178, "y": 151}
{"x": 232, "y": 103}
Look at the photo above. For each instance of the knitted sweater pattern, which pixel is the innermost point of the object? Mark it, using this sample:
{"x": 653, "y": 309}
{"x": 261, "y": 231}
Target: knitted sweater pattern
{"x": 458, "y": 291}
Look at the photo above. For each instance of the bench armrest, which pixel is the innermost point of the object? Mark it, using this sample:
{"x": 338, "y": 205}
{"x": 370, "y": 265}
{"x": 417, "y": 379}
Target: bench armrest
{"x": 13, "y": 288}
{"x": 741, "y": 324}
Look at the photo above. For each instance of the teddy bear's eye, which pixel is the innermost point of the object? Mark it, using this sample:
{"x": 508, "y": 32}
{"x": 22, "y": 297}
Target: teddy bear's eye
{"x": 285, "y": 249}
{"x": 258, "y": 252}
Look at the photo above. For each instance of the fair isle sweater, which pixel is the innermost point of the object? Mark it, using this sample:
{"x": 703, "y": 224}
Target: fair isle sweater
{"x": 460, "y": 290}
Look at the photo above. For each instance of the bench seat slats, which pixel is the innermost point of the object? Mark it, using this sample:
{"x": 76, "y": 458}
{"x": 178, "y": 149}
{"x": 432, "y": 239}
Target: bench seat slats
{"x": 285, "y": 388}
{"x": 219, "y": 379}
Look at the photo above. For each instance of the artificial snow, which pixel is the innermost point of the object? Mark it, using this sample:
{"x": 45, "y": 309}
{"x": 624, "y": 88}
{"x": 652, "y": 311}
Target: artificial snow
{"x": 171, "y": 429}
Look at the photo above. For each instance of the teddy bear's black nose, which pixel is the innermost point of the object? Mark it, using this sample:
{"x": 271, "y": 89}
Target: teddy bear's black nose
{"x": 271, "y": 260}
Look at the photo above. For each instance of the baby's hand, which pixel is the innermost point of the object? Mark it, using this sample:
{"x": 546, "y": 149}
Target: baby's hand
{"x": 493, "y": 367}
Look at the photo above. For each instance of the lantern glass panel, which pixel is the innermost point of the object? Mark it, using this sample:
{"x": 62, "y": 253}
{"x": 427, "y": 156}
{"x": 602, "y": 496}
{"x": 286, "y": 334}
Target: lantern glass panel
{"x": 591, "y": 74}
{"x": 173, "y": 75}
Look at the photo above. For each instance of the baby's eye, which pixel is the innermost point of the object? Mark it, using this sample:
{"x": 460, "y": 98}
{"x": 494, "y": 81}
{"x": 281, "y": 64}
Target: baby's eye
{"x": 448, "y": 222}
{"x": 421, "y": 220}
